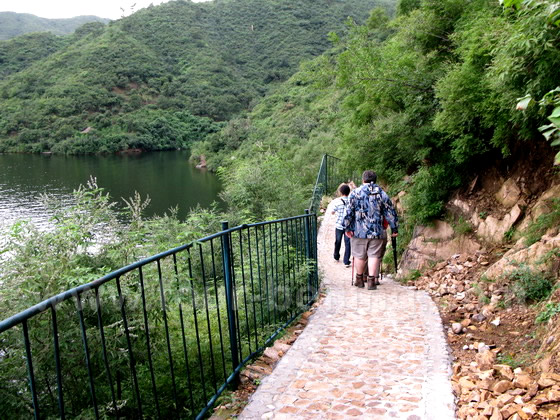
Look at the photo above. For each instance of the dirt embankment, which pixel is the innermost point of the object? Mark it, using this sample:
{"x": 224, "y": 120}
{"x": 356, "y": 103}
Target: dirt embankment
{"x": 497, "y": 290}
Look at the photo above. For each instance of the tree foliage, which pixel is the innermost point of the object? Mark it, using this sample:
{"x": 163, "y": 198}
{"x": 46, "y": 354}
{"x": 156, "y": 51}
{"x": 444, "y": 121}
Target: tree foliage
{"x": 437, "y": 98}
{"x": 425, "y": 99}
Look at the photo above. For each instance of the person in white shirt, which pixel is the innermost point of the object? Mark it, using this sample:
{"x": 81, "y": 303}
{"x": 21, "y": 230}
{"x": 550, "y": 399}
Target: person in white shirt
{"x": 339, "y": 209}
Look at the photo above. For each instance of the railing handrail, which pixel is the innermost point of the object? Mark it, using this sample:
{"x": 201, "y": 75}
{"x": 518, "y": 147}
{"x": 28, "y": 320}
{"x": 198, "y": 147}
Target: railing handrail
{"x": 36, "y": 309}
{"x": 329, "y": 173}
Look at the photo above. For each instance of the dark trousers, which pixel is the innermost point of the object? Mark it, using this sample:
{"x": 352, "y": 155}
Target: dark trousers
{"x": 339, "y": 234}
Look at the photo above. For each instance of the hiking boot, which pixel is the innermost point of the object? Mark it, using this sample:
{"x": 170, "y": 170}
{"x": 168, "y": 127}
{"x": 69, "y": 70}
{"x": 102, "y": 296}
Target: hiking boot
{"x": 371, "y": 283}
{"x": 359, "y": 280}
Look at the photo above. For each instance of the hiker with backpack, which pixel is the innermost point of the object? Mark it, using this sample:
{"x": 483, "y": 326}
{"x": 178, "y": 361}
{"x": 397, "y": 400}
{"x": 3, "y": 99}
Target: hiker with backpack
{"x": 340, "y": 206}
{"x": 368, "y": 207}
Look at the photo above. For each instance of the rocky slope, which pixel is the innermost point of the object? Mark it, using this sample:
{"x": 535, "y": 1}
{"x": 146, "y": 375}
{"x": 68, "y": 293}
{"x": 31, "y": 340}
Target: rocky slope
{"x": 492, "y": 266}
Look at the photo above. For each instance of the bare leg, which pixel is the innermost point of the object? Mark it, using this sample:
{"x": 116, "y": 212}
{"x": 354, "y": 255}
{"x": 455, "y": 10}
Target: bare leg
{"x": 373, "y": 266}
{"x": 360, "y": 265}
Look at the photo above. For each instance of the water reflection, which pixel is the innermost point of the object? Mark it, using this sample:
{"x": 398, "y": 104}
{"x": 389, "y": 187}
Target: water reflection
{"x": 167, "y": 177}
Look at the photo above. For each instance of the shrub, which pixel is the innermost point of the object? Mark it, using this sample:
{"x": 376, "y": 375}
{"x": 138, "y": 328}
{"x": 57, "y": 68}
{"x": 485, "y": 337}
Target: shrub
{"x": 430, "y": 190}
{"x": 549, "y": 311}
{"x": 529, "y": 285}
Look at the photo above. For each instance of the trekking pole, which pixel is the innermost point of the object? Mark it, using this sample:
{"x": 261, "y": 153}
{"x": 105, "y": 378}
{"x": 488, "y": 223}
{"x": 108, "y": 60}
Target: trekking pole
{"x": 394, "y": 244}
{"x": 352, "y": 271}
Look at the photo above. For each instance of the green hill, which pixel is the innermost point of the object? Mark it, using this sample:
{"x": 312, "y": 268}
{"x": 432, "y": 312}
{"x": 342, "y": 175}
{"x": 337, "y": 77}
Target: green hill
{"x": 15, "y": 24}
{"x": 165, "y": 76}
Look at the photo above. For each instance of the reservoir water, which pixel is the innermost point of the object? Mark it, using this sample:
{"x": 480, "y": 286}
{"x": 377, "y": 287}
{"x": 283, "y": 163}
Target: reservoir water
{"x": 168, "y": 178}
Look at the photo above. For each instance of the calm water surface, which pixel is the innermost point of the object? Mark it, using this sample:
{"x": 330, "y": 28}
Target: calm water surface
{"x": 166, "y": 177}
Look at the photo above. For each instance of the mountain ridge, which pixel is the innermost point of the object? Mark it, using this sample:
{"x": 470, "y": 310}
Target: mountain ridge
{"x": 13, "y": 24}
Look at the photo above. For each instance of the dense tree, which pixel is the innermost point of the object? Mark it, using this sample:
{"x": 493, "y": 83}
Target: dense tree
{"x": 425, "y": 99}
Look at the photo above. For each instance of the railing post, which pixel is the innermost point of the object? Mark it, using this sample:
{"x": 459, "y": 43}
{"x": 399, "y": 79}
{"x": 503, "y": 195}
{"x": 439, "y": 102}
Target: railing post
{"x": 326, "y": 174}
{"x": 309, "y": 256}
{"x": 230, "y": 304}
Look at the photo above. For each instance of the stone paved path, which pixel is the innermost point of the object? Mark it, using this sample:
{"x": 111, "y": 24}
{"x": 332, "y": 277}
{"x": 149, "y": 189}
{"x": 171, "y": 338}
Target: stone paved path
{"x": 364, "y": 354}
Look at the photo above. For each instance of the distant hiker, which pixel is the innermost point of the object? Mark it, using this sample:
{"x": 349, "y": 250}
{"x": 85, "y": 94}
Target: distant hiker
{"x": 368, "y": 206}
{"x": 340, "y": 206}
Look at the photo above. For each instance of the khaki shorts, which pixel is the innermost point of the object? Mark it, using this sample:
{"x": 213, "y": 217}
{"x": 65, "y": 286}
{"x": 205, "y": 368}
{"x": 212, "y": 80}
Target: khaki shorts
{"x": 364, "y": 248}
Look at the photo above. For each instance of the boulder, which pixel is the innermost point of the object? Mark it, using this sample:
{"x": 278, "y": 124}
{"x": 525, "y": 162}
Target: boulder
{"x": 542, "y": 206}
{"x": 493, "y": 229}
{"x": 524, "y": 255}
{"x": 433, "y": 244}
{"x": 508, "y": 194}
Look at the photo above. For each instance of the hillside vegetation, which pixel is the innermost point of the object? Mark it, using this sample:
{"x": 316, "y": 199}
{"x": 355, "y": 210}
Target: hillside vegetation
{"x": 162, "y": 77}
{"x": 15, "y": 24}
{"x": 427, "y": 99}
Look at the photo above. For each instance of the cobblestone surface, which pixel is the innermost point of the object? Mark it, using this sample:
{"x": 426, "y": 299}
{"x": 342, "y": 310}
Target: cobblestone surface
{"x": 364, "y": 355}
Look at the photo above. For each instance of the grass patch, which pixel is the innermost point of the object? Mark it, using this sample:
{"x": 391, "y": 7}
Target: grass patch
{"x": 482, "y": 298}
{"x": 508, "y": 234}
{"x": 510, "y": 360}
{"x": 411, "y": 277}
{"x": 461, "y": 226}
{"x": 538, "y": 228}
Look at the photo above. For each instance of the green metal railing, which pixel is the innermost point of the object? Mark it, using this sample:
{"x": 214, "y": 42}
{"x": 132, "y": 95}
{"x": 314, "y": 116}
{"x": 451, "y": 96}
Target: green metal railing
{"x": 329, "y": 177}
{"x": 165, "y": 336}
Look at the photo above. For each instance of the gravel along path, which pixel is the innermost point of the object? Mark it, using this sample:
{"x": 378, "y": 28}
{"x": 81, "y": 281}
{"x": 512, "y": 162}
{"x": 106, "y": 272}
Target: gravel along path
{"x": 364, "y": 354}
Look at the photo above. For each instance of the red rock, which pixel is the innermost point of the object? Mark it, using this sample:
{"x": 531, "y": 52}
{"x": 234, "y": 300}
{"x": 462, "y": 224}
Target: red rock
{"x": 502, "y": 386}
{"x": 486, "y": 359}
{"x": 466, "y": 384}
{"x": 504, "y": 371}
{"x": 523, "y": 380}
{"x": 531, "y": 392}
{"x": 509, "y": 410}
{"x": 504, "y": 400}
{"x": 496, "y": 415}
{"x": 548, "y": 379}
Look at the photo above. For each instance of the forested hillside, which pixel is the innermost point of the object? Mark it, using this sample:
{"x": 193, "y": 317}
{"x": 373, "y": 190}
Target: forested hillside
{"x": 15, "y": 24}
{"x": 19, "y": 53}
{"x": 161, "y": 78}
{"x": 427, "y": 99}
